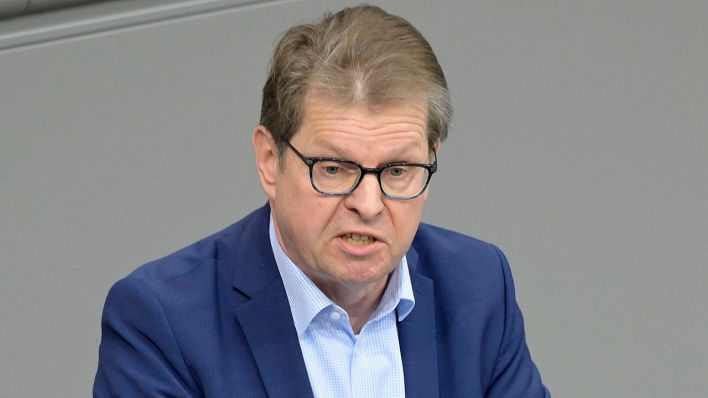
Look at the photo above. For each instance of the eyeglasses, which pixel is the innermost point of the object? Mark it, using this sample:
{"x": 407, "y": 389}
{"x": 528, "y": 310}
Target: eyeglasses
{"x": 339, "y": 177}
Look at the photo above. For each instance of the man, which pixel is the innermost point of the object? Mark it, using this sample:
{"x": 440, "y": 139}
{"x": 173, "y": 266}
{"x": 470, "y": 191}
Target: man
{"x": 335, "y": 288}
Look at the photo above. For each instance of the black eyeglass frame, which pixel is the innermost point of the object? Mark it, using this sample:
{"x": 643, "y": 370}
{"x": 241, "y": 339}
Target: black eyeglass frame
{"x": 310, "y": 162}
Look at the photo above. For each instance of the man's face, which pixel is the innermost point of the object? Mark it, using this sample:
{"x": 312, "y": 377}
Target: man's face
{"x": 316, "y": 230}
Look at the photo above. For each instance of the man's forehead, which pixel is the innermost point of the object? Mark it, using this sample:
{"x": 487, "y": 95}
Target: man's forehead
{"x": 400, "y": 123}
{"x": 327, "y": 112}
{"x": 343, "y": 147}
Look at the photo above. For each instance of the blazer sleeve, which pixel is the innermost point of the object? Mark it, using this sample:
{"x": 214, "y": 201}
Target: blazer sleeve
{"x": 515, "y": 374}
{"x": 138, "y": 354}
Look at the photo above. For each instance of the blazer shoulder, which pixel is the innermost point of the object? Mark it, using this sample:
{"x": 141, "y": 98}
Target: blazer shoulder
{"x": 198, "y": 256}
{"x": 455, "y": 261}
{"x": 440, "y": 243}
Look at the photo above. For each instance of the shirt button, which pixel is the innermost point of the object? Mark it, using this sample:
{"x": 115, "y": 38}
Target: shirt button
{"x": 335, "y": 316}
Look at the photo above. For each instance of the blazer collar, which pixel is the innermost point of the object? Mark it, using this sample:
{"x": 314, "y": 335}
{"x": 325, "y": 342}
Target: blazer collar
{"x": 417, "y": 337}
{"x": 265, "y": 316}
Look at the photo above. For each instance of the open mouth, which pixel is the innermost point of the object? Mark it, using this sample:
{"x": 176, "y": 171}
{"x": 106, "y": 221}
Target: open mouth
{"x": 358, "y": 240}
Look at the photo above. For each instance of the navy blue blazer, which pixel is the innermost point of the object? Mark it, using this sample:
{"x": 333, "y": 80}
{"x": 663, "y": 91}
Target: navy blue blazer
{"x": 213, "y": 320}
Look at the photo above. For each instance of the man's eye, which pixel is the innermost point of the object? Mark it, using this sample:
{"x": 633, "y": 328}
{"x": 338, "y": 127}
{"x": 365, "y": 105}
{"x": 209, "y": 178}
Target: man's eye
{"x": 397, "y": 171}
{"x": 332, "y": 170}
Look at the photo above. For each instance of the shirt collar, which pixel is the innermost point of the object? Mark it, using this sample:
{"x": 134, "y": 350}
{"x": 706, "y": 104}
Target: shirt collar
{"x": 307, "y": 300}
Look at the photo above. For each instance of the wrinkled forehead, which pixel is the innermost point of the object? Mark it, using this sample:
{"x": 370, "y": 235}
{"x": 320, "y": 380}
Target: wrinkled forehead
{"x": 382, "y": 133}
{"x": 323, "y": 105}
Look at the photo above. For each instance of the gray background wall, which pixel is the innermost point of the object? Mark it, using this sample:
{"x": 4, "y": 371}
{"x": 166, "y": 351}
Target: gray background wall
{"x": 579, "y": 147}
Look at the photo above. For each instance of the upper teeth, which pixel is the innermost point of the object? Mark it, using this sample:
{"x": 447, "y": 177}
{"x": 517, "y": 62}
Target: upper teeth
{"x": 358, "y": 239}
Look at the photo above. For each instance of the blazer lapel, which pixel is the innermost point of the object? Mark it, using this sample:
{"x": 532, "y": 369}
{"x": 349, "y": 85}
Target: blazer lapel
{"x": 417, "y": 338}
{"x": 265, "y": 318}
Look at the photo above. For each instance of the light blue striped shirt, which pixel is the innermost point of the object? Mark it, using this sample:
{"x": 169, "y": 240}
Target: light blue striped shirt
{"x": 340, "y": 364}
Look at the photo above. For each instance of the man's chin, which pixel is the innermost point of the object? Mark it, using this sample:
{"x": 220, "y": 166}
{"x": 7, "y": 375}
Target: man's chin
{"x": 362, "y": 273}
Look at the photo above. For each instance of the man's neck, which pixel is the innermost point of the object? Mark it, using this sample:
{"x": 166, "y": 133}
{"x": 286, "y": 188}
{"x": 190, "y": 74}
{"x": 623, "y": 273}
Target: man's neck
{"x": 359, "y": 301}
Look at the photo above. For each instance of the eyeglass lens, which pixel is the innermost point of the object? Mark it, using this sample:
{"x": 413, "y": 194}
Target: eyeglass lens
{"x": 339, "y": 177}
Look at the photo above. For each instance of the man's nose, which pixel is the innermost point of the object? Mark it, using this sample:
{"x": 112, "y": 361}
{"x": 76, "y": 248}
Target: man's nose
{"x": 367, "y": 198}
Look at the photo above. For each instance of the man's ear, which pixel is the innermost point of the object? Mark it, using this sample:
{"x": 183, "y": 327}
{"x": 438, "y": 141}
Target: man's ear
{"x": 266, "y": 159}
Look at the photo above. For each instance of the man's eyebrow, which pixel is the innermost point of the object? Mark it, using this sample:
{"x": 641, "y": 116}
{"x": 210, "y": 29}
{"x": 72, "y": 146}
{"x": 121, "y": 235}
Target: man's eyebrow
{"x": 337, "y": 151}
